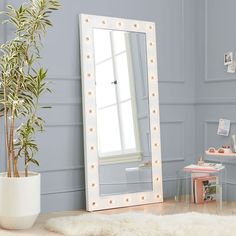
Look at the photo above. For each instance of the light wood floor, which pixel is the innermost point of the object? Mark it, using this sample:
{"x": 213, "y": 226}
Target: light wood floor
{"x": 168, "y": 207}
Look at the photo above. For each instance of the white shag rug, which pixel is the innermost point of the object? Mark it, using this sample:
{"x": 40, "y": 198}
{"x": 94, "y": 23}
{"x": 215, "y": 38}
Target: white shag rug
{"x": 142, "y": 224}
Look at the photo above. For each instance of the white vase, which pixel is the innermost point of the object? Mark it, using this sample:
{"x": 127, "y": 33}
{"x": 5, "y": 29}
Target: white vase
{"x": 19, "y": 200}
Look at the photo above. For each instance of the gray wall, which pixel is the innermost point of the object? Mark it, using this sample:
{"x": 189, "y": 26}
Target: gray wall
{"x": 61, "y": 146}
{"x": 215, "y": 89}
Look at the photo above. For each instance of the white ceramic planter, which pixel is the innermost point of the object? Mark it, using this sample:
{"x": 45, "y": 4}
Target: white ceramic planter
{"x": 19, "y": 200}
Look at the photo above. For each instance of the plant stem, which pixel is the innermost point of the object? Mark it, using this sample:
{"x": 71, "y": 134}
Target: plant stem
{"x": 26, "y": 162}
{"x": 6, "y": 130}
{"x": 14, "y": 161}
{"x": 7, "y": 143}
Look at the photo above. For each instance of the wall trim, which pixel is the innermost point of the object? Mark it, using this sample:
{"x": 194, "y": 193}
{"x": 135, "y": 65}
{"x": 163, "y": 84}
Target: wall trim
{"x": 76, "y": 78}
{"x": 63, "y": 124}
{"x": 64, "y": 191}
{"x": 177, "y": 101}
{"x": 183, "y": 50}
{"x": 230, "y": 182}
{"x": 62, "y": 169}
{"x": 62, "y": 102}
{"x": 174, "y": 160}
{"x": 205, "y": 124}
{"x": 215, "y": 101}
{"x": 182, "y": 156}
{"x": 206, "y": 78}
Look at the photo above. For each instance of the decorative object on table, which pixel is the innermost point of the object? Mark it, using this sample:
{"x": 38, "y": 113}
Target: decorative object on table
{"x": 231, "y": 67}
{"x": 22, "y": 84}
{"x": 230, "y": 62}
{"x": 228, "y": 58}
{"x": 233, "y": 143}
{"x": 209, "y": 167}
{"x": 143, "y": 224}
{"x": 226, "y": 149}
{"x": 200, "y": 161}
{"x": 212, "y": 150}
{"x": 223, "y": 149}
{"x": 224, "y": 127}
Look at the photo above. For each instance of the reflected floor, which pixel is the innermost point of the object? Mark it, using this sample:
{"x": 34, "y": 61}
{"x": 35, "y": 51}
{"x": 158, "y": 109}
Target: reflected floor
{"x": 170, "y": 206}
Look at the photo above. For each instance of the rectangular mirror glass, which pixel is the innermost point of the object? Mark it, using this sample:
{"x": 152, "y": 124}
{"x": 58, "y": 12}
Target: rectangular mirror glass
{"x": 122, "y": 108}
{"x": 121, "y": 112}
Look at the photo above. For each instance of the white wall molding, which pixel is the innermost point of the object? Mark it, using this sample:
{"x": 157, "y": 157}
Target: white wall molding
{"x": 182, "y": 156}
{"x": 79, "y": 189}
{"x": 179, "y": 101}
{"x": 61, "y": 102}
{"x": 180, "y": 81}
{"x": 63, "y": 124}
{"x": 65, "y": 78}
{"x": 230, "y": 182}
{"x": 169, "y": 160}
{"x": 207, "y": 79}
{"x": 215, "y": 101}
{"x": 62, "y": 169}
{"x": 205, "y": 124}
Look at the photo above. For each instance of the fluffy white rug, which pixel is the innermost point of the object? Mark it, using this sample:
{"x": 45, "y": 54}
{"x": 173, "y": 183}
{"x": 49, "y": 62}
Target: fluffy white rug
{"x": 141, "y": 224}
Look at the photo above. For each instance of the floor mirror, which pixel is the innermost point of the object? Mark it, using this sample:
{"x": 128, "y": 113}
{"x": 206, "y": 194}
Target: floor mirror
{"x": 121, "y": 116}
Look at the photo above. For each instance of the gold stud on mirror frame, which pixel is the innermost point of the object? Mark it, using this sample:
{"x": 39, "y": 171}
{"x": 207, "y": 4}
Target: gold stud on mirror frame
{"x": 92, "y": 166}
{"x": 86, "y": 20}
{"x": 87, "y": 38}
{"x": 89, "y": 75}
{"x": 155, "y": 128}
{"x": 153, "y": 94}
{"x": 152, "y": 77}
{"x": 110, "y": 201}
{"x": 151, "y": 60}
{"x": 142, "y": 197}
{"x": 89, "y": 93}
{"x": 93, "y": 185}
{"x": 103, "y": 22}
{"x": 91, "y": 129}
{"x": 157, "y": 179}
{"x": 119, "y": 24}
{"x": 135, "y": 25}
{"x": 88, "y": 56}
{"x": 93, "y": 203}
{"x": 157, "y": 196}
{"x": 127, "y": 199}
{"x": 151, "y": 44}
{"x": 150, "y": 27}
{"x": 156, "y": 144}
{"x": 90, "y": 111}
{"x": 92, "y": 148}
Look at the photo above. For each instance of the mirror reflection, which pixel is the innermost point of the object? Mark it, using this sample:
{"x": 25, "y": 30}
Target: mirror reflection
{"x": 122, "y": 112}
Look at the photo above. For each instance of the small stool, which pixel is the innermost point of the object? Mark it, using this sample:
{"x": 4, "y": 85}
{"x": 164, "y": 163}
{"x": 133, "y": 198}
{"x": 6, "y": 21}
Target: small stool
{"x": 195, "y": 188}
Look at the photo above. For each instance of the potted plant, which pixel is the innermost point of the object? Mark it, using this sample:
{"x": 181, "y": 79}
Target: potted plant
{"x": 22, "y": 82}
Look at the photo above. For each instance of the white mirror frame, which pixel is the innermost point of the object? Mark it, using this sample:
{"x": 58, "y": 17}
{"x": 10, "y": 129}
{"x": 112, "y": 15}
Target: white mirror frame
{"x": 93, "y": 199}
